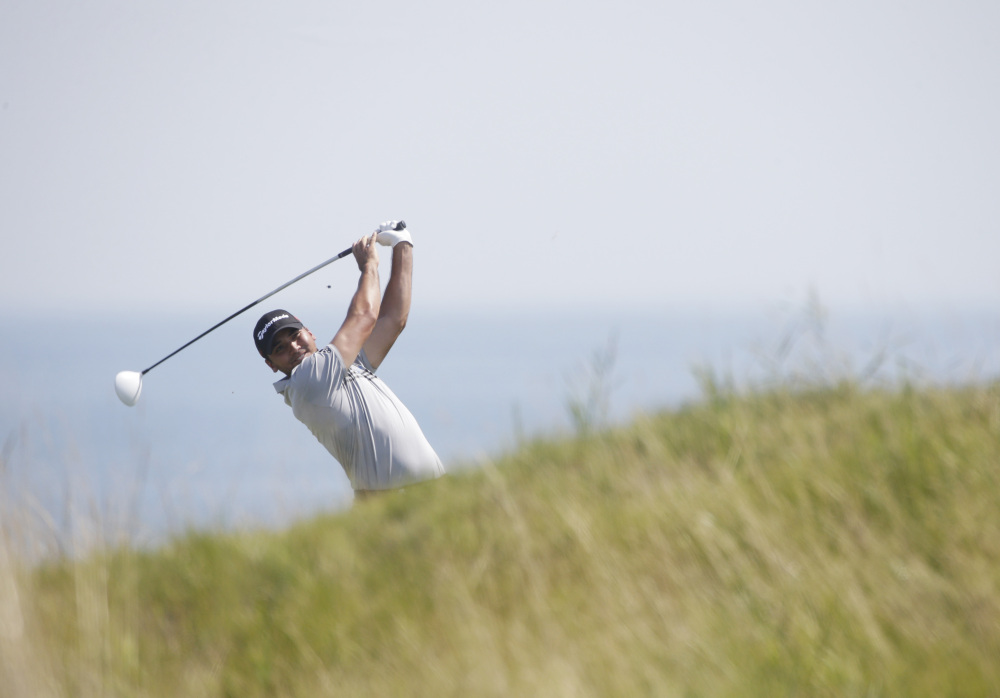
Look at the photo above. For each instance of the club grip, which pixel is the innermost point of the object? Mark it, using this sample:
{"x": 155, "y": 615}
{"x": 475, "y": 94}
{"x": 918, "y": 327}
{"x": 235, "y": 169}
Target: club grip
{"x": 399, "y": 226}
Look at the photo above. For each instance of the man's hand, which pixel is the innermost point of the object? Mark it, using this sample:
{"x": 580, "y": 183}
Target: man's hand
{"x": 365, "y": 252}
{"x": 389, "y": 236}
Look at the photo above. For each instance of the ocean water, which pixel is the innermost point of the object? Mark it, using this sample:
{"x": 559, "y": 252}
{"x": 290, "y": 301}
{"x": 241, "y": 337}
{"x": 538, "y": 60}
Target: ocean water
{"x": 211, "y": 445}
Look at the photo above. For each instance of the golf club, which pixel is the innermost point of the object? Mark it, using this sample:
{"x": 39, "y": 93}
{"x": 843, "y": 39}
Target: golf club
{"x": 128, "y": 384}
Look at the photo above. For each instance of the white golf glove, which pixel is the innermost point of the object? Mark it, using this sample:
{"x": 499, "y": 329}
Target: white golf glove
{"x": 389, "y": 236}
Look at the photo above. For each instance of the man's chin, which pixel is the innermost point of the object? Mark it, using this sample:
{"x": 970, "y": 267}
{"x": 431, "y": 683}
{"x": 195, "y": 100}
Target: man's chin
{"x": 300, "y": 359}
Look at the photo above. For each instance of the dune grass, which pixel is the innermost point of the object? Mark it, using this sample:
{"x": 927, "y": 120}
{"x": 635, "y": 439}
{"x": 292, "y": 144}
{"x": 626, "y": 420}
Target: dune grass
{"x": 837, "y": 541}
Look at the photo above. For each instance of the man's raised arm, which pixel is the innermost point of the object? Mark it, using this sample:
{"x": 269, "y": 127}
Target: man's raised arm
{"x": 395, "y": 306}
{"x": 362, "y": 314}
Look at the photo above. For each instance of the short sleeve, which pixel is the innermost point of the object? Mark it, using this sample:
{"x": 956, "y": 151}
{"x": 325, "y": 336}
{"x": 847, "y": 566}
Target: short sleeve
{"x": 363, "y": 360}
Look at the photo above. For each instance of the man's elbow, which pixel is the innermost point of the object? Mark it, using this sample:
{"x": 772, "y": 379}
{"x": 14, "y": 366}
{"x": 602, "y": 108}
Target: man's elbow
{"x": 364, "y": 319}
{"x": 401, "y": 321}
{"x": 394, "y": 318}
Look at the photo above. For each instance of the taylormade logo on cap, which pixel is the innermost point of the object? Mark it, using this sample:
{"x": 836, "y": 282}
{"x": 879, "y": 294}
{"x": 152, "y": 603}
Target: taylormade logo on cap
{"x": 263, "y": 331}
{"x": 268, "y": 326}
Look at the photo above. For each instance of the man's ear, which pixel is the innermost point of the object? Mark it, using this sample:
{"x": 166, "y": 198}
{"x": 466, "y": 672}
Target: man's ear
{"x": 274, "y": 369}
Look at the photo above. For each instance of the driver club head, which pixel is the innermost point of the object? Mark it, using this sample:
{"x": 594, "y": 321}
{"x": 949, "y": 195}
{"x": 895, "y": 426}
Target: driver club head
{"x": 128, "y": 385}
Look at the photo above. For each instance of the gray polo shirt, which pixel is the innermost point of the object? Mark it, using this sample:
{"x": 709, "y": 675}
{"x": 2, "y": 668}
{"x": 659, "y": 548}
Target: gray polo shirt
{"x": 360, "y": 421}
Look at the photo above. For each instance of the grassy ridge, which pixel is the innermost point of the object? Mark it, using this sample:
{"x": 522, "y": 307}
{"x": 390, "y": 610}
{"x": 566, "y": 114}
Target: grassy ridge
{"x": 831, "y": 542}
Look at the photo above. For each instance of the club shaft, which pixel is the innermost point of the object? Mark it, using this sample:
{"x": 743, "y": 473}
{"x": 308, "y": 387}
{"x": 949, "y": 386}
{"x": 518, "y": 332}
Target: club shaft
{"x": 246, "y": 308}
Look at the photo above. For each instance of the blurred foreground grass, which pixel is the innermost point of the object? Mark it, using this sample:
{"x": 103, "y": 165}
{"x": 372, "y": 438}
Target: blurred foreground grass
{"x": 830, "y": 542}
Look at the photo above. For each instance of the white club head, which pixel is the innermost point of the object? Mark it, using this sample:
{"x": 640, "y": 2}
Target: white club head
{"x": 128, "y": 385}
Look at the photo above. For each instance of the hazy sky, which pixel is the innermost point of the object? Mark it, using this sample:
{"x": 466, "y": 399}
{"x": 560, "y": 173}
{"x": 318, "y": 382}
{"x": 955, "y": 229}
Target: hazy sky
{"x": 189, "y": 154}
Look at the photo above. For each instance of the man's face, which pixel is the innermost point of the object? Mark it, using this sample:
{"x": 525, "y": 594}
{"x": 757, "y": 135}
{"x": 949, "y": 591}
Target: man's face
{"x": 290, "y": 347}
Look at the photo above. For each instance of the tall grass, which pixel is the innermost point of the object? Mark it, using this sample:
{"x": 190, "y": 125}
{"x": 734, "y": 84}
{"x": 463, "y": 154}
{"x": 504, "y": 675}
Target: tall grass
{"x": 833, "y": 541}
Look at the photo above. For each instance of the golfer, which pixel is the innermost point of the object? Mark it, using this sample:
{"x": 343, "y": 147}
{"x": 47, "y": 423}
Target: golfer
{"x": 334, "y": 391}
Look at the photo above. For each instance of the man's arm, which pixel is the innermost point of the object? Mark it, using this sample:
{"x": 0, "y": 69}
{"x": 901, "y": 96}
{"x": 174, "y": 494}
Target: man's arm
{"x": 395, "y": 305}
{"x": 363, "y": 312}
